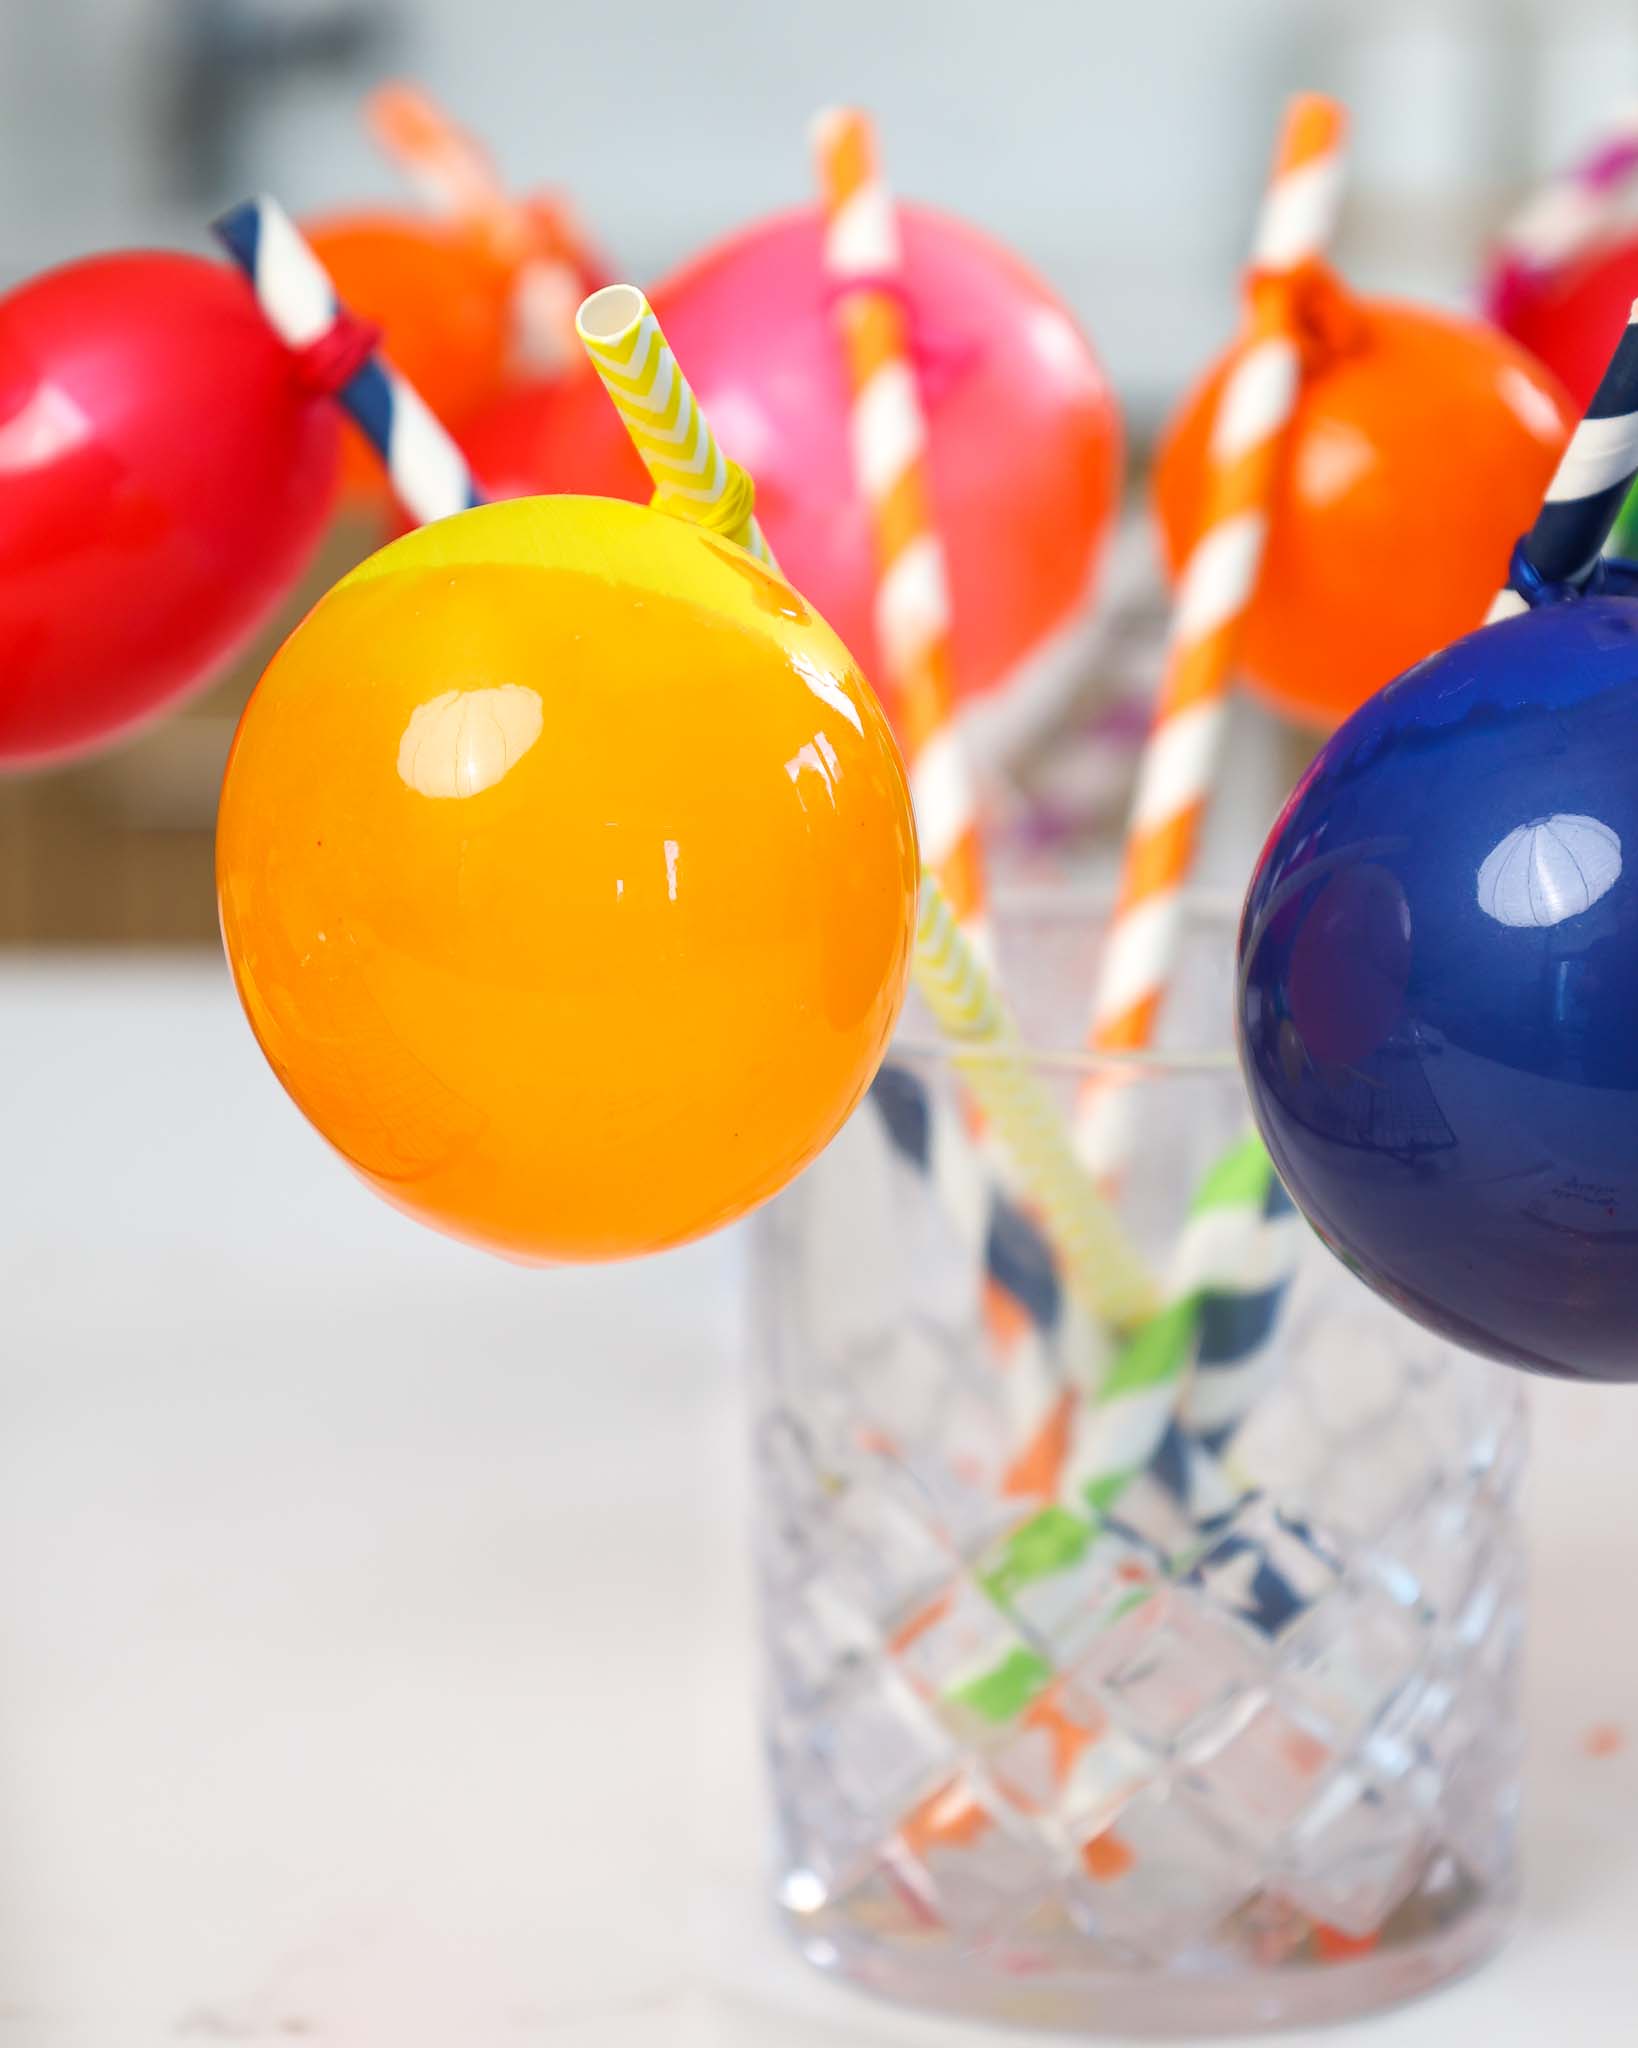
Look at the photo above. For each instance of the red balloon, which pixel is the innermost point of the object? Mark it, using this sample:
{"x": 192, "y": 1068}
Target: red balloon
{"x": 1573, "y": 316}
{"x": 554, "y": 434}
{"x": 165, "y": 475}
{"x": 1024, "y": 436}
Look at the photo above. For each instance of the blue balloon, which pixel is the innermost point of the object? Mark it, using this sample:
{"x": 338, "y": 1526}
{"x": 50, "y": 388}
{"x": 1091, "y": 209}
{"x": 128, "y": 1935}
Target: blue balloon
{"x": 1438, "y": 990}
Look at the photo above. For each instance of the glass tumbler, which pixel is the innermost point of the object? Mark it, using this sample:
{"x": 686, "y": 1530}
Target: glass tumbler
{"x": 1229, "y": 1739}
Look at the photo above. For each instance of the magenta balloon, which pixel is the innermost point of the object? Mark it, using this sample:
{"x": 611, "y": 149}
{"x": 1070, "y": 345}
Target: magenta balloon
{"x": 1025, "y": 439}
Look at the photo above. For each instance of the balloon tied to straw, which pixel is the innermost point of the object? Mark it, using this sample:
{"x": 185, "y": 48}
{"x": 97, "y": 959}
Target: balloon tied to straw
{"x": 427, "y": 472}
{"x": 695, "y": 480}
{"x": 692, "y": 477}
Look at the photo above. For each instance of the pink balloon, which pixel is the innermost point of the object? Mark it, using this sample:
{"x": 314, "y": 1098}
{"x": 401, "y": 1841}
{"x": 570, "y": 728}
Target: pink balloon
{"x": 1025, "y": 439}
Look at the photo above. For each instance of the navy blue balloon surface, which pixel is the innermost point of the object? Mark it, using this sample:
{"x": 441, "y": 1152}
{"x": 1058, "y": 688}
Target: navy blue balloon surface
{"x": 1438, "y": 990}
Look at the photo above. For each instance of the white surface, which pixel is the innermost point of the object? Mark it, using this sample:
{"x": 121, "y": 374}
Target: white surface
{"x": 374, "y": 1644}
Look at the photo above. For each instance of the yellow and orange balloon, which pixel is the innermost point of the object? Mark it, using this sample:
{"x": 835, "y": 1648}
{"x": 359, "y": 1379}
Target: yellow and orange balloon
{"x": 568, "y": 877}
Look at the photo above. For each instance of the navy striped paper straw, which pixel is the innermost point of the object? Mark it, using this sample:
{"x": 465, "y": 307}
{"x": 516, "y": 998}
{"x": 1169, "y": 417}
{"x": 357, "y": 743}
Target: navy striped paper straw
{"x": 1016, "y": 1256}
{"x": 1238, "y": 1344}
{"x": 426, "y": 470}
{"x": 1588, "y": 487}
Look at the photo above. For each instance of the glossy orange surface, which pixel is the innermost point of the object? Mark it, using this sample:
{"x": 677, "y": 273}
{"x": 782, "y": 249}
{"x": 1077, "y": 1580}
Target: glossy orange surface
{"x": 442, "y": 297}
{"x": 568, "y": 877}
{"x": 1421, "y": 452}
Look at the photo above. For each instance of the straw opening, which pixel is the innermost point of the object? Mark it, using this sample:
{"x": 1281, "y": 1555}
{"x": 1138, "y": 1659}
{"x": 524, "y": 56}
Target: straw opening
{"x": 610, "y": 313}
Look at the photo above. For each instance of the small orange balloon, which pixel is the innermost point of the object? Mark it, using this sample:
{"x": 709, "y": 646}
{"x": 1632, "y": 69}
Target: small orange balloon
{"x": 1421, "y": 448}
{"x": 442, "y": 296}
{"x": 568, "y": 877}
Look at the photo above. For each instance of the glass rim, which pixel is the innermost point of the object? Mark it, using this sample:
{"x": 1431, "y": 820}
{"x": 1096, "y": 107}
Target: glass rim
{"x": 1058, "y": 1060}
{"x": 1026, "y": 901}
{"x": 1084, "y": 899}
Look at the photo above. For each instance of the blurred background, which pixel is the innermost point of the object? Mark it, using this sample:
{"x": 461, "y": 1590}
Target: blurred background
{"x": 1120, "y": 149}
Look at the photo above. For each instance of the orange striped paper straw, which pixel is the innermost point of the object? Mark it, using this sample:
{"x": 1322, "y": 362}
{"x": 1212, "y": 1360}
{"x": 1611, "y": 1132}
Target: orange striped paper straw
{"x": 864, "y": 259}
{"x": 445, "y": 163}
{"x": 1180, "y": 758}
{"x": 456, "y": 176}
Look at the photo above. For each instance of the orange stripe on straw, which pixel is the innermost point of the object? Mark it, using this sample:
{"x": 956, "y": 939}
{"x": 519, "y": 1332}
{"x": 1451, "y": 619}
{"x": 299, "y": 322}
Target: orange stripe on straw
{"x": 1314, "y": 128}
{"x": 889, "y": 436}
{"x": 1034, "y": 1473}
{"x": 446, "y": 164}
{"x": 456, "y": 176}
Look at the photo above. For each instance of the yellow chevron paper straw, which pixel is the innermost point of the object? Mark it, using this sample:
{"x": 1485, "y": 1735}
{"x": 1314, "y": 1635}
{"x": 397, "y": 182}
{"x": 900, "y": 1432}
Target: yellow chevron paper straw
{"x": 692, "y": 476}
{"x": 1101, "y": 1266}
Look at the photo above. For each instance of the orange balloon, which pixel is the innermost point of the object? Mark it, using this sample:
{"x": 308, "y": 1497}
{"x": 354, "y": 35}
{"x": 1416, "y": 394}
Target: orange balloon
{"x": 1421, "y": 450}
{"x": 568, "y": 877}
{"x": 442, "y": 296}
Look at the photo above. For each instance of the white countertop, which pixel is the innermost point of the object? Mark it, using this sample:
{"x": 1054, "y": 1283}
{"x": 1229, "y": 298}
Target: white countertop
{"x": 374, "y": 1631}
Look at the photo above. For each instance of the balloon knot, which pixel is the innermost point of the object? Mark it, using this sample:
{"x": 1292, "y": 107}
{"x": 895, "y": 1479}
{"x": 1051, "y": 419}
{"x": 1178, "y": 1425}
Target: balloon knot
{"x": 1527, "y": 581}
{"x": 887, "y": 284}
{"x": 731, "y": 514}
{"x": 330, "y": 363}
{"x": 940, "y": 359}
{"x": 1313, "y": 305}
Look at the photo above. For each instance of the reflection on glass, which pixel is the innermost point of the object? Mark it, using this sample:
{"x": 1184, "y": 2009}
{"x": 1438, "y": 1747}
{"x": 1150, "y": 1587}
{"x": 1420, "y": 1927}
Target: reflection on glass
{"x": 1549, "y": 870}
{"x": 462, "y": 742}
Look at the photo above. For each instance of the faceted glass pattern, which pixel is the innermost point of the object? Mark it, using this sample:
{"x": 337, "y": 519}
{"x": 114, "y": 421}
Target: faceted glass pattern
{"x": 1128, "y": 1792}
